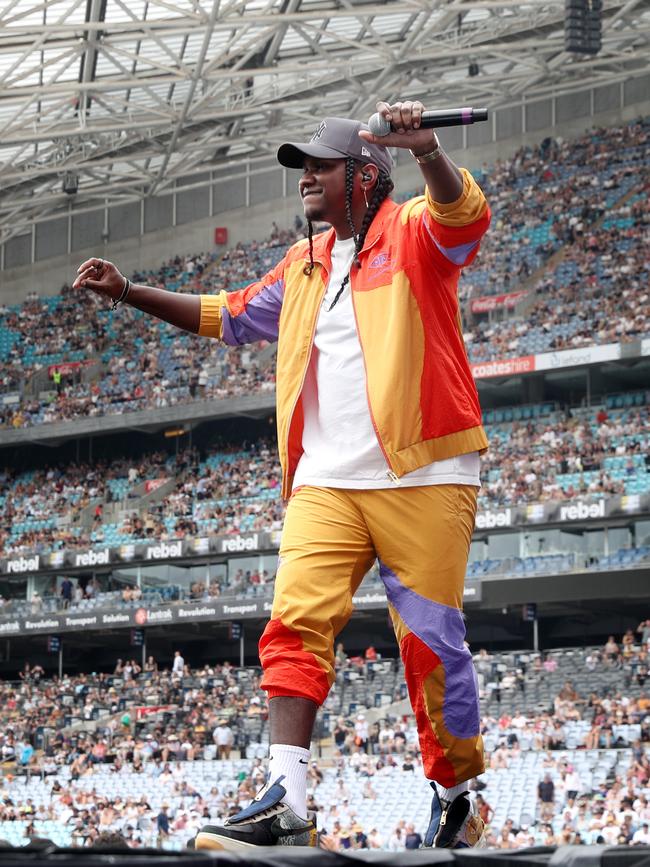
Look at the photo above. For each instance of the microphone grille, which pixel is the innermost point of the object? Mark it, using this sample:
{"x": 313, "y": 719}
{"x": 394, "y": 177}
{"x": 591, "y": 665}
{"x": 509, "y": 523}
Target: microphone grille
{"x": 378, "y": 125}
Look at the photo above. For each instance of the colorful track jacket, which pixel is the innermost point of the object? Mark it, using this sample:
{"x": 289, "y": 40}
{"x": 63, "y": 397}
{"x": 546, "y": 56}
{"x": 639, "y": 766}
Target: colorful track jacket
{"x": 421, "y": 394}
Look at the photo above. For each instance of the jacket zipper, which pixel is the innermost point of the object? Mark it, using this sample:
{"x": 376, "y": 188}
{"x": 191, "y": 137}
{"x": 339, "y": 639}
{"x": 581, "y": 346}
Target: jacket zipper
{"x": 392, "y": 475}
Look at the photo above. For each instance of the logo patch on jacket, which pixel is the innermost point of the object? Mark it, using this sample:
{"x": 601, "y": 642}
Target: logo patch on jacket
{"x": 380, "y": 263}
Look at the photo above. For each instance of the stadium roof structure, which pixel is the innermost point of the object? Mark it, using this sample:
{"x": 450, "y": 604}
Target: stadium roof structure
{"x": 134, "y": 97}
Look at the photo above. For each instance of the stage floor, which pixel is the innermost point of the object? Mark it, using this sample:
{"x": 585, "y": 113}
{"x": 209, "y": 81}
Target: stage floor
{"x": 566, "y": 856}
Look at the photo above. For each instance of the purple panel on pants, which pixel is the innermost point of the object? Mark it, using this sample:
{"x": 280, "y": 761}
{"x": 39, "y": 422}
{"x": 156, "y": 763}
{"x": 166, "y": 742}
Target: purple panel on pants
{"x": 442, "y": 629}
{"x": 259, "y": 321}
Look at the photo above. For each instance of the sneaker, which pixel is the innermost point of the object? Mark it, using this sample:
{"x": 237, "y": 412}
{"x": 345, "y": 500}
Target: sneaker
{"x": 454, "y": 824}
{"x": 265, "y": 822}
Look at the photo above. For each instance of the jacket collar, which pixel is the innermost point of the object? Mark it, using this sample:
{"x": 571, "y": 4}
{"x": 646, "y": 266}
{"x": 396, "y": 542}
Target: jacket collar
{"x": 324, "y": 241}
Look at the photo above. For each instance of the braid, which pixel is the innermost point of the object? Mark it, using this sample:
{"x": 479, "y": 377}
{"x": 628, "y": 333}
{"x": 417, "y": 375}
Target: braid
{"x": 349, "y": 182}
{"x": 310, "y": 234}
{"x": 349, "y": 185}
{"x": 383, "y": 188}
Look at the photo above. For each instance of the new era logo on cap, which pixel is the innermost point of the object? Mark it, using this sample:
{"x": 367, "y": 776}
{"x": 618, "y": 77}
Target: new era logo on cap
{"x": 336, "y": 138}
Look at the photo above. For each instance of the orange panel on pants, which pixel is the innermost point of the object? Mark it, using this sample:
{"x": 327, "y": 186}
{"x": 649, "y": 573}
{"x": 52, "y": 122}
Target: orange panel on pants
{"x": 421, "y": 536}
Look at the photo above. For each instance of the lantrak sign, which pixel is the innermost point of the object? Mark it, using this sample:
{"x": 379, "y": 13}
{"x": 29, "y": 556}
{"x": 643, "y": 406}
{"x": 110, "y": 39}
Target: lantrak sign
{"x": 10, "y": 626}
{"x": 218, "y": 612}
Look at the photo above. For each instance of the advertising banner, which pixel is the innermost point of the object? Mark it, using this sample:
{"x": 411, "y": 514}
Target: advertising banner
{"x": 151, "y": 485}
{"x": 150, "y": 710}
{"x": 240, "y": 543}
{"x": 494, "y": 302}
{"x": 67, "y": 367}
{"x": 218, "y": 612}
{"x": 503, "y": 367}
{"x": 576, "y": 357}
{"x": 577, "y": 509}
{"x": 555, "y": 360}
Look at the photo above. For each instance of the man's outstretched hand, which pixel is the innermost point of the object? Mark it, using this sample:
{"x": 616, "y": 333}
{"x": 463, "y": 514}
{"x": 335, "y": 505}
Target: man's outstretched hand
{"x": 102, "y": 277}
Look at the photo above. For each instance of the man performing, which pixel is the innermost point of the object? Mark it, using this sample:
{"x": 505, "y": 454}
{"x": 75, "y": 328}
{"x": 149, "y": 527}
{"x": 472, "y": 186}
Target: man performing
{"x": 379, "y": 435}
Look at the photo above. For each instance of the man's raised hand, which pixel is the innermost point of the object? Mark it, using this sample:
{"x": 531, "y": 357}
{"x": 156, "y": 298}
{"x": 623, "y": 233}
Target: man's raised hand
{"x": 405, "y": 118}
{"x": 101, "y": 276}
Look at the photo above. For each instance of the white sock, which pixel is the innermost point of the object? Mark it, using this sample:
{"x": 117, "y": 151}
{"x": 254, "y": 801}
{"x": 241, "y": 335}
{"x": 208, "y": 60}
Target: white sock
{"x": 292, "y": 762}
{"x": 451, "y": 793}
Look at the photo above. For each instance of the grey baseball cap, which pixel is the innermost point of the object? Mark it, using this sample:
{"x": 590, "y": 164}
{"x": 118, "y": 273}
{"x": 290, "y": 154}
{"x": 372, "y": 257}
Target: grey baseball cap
{"x": 336, "y": 138}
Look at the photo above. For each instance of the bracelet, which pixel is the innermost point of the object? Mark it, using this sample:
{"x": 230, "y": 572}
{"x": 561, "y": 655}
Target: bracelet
{"x": 430, "y": 156}
{"x": 123, "y": 296}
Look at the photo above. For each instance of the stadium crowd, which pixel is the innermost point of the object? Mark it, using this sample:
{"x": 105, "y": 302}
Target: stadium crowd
{"x": 141, "y": 363}
{"x": 555, "y": 455}
{"x": 547, "y": 197}
{"x": 150, "y": 752}
{"x": 597, "y": 294}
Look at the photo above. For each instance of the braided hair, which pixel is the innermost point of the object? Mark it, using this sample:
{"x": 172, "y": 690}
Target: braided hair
{"x": 383, "y": 188}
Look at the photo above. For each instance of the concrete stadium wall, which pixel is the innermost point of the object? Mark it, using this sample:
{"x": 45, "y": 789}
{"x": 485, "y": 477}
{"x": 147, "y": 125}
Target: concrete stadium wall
{"x": 145, "y": 234}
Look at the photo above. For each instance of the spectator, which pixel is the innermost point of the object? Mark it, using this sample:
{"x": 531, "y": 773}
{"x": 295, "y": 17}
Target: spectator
{"x": 361, "y": 732}
{"x": 644, "y": 630}
{"x": 485, "y": 811}
{"x": 66, "y": 592}
{"x": 412, "y": 839}
{"x": 162, "y": 824}
{"x": 641, "y": 837}
{"x": 178, "y": 667}
{"x": 611, "y": 650}
{"x": 397, "y": 840}
{"x": 224, "y": 739}
{"x": 546, "y": 797}
{"x": 150, "y": 666}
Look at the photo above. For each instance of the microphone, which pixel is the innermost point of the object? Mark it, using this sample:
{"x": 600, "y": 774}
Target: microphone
{"x": 379, "y": 126}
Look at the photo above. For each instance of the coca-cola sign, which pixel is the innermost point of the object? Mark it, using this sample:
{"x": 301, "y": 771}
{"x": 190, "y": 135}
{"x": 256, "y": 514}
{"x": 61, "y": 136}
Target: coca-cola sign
{"x": 486, "y": 303}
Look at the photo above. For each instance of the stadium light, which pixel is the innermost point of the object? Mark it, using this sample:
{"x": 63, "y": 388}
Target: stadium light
{"x": 583, "y": 26}
{"x": 70, "y": 183}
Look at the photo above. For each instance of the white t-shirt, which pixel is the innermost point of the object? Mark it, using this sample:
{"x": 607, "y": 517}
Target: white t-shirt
{"x": 340, "y": 447}
{"x": 223, "y": 736}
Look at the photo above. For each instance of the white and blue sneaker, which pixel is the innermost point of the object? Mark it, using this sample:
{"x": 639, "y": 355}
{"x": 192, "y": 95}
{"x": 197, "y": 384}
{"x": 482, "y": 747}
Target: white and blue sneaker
{"x": 454, "y": 824}
{"x": 265, "y": 822}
